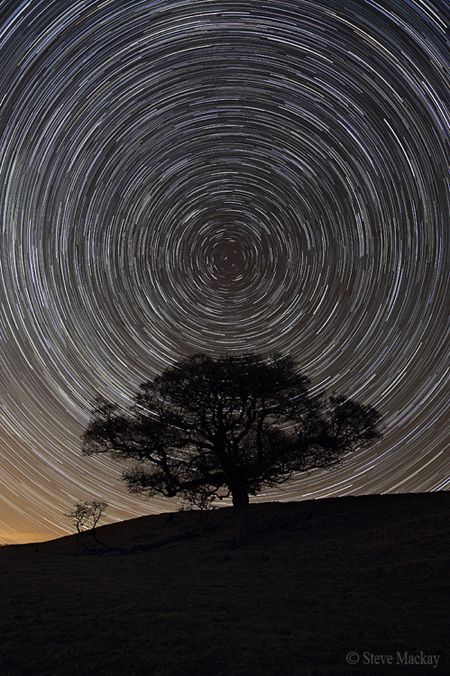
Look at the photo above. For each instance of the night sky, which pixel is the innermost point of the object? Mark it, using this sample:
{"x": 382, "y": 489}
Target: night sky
{"x": 183, "y": 176}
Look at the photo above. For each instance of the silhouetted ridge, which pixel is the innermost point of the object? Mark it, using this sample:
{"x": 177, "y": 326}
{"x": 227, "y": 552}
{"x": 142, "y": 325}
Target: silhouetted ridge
{"x": 172, "y": 595}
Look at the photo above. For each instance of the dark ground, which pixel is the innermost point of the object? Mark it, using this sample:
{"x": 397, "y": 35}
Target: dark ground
{"x": 317, "y": 580}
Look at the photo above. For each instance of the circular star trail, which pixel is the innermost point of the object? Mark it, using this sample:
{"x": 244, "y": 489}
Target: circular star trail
{"x": 219, "y": 176}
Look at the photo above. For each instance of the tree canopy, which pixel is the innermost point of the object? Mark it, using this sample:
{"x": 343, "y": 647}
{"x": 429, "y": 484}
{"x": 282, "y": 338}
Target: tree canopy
{"x": 211, "y": 428}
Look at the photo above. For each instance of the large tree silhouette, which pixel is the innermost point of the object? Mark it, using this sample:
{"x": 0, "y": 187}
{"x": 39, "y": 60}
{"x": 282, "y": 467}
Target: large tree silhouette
{"x": 209, "y": 428}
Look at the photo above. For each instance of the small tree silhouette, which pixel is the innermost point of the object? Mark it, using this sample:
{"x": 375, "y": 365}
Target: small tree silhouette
{"x": 208, "y": 428}
{"x": 86, "y": 515}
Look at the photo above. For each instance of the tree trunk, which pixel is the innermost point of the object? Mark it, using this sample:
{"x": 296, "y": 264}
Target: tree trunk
{"x": 240, "y": 505}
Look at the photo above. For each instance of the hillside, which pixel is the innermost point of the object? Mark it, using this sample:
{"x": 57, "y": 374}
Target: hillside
{"x": 171, "y": 595}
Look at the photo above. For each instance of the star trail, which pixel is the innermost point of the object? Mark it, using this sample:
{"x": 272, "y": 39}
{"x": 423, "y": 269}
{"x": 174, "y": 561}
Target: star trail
{"x": 184, "y": 176}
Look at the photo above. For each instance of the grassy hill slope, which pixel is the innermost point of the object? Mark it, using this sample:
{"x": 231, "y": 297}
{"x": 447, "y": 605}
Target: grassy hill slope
{"x": 171, "y": 595}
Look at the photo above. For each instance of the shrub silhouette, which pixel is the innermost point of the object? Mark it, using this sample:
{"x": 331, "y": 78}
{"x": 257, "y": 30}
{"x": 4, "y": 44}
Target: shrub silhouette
{"x": 213, "y": 428}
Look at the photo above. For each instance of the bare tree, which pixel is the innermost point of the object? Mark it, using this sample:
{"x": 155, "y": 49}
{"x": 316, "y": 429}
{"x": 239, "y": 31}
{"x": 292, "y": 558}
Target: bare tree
{"x": 208, "y": 428}
{"x": 86, "y": 515}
